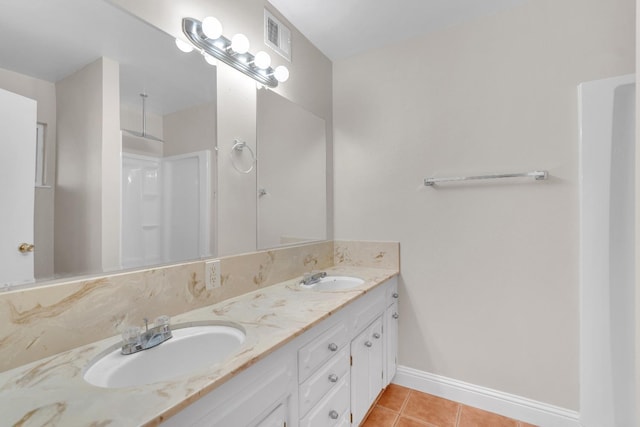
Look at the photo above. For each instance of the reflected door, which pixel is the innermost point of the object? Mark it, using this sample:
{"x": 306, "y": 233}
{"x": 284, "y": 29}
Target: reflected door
{"x": 291, "y": 173}
{"x": 18, "y": 117}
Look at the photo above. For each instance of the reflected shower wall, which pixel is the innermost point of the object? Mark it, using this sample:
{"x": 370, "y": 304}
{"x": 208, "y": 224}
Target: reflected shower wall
{"x": 165, "y": 208}
{"x": 607, "y": 200}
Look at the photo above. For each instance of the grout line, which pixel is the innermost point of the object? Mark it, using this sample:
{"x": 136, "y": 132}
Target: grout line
{"x": 420, "y": 421}
{"x": 397, "y": 420}
{"x": 458, "y": 415}
{"x": 406, "y": 400}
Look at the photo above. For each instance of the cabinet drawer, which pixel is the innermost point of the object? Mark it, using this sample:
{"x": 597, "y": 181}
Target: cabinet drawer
{"x": 364, "y": 312}
{"x": 327, "y": 377}
{"x": 320, "y": 349}
{"x": 332, "y": 410}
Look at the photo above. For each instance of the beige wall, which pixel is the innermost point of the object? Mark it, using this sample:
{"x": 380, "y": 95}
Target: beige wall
{"x": 489, "y": 289}
{"x": 131, "y": 119}
{"x": 87, "y": 206}
{"x": 637, "y": 225}
{"x": 45, "y": 94}
{"x": 111, "y": 165}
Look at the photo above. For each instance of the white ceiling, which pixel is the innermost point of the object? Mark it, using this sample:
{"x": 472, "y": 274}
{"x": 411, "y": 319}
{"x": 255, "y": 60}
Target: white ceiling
{"x": 50, "y": 40}
{"x": 343, "y": 28}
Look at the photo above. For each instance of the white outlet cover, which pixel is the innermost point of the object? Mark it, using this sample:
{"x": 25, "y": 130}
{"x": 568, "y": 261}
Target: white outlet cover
{"x": 212, "y": 274}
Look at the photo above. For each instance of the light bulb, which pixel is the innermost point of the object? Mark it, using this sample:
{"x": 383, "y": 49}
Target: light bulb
{"x": 184, "y": 46}
{"x": 210, "y": 59}
{"x": 211, "y": 27}
{"x": 262, "y": 60}
{"x": 240, "y": 43}
{"x": 281, "y": 73}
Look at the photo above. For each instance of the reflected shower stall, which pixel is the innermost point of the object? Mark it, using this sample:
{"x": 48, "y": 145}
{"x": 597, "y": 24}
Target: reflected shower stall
{"x": 607, "y": 277}
{"x": 165, "y": 208}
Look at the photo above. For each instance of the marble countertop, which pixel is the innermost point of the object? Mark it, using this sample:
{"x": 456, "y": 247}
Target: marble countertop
{"x": 52, "y": 391}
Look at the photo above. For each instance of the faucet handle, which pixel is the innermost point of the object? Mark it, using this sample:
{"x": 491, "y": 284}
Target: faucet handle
{"x": 131, "y": 335}
{"x": 162, "y": 320}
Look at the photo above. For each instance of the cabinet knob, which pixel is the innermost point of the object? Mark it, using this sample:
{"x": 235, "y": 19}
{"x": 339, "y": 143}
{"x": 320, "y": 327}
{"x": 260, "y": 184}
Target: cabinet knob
{"x": 395, "y": 295}
{"x": 25, "y": 247}
{"x": 334, "y": 415}
{"x": 376, "y": 335}
{"x": 368, "y": 344}
{"x": 333, "y": 346}
{"x": 333, "y": 378}
{"x": 395, "y": 315}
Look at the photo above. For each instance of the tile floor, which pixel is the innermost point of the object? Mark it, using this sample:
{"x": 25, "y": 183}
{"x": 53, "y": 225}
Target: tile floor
{"x": 403, "y": 407}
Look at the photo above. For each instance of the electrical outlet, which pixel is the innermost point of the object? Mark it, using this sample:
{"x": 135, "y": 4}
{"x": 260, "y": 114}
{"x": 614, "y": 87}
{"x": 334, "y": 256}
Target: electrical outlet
{"x": 212, "y": 274}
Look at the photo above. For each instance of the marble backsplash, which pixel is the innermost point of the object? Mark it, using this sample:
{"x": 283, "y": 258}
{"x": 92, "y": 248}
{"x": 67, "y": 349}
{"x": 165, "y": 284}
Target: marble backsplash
{"x": 46, "y": 320}
{"x": 367, "y": 254}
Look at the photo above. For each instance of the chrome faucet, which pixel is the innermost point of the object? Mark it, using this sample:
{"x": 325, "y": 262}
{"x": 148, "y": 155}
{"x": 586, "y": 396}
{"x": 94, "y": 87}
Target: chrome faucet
{"x": 134, "y": 340}
{"x": 311, "y": 278}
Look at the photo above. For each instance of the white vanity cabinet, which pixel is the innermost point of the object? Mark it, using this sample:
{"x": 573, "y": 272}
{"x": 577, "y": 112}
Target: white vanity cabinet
{"x": 327, "y": 377}
{"x": 261, "y": 396}
{"x": 390, "y": 325}
{"x": 323, "y": 374}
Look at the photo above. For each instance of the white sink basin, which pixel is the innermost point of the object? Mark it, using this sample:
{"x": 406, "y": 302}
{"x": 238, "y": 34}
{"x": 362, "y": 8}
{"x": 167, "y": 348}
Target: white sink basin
{"x": 191, "y": 348}
{"x": 335, "y": 283}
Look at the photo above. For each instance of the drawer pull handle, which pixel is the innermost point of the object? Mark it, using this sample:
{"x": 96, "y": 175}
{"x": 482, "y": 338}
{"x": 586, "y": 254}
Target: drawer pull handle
{"x": 334, "y": 415}
{"x": 333, "y": 378}
{"x": 333, "y": 346}
{"x": 368, "y": 344}
{"x": 395, "y": 295}
{"x": 395, "y": 315}
{"x": 376, "y": 335}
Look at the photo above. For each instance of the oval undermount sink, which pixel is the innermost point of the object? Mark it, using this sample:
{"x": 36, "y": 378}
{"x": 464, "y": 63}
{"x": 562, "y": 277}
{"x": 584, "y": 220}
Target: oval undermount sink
{"x": 335, "y": 283}
{"x": 191, "y": 348}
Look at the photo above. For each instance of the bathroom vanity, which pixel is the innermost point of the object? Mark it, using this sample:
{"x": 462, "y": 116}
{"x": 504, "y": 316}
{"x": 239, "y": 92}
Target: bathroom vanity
{"x": 328, "y": 376}
{"x": 310, "y": 358}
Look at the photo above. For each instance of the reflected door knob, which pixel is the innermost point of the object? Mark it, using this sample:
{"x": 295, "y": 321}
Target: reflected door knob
{"x": 334, "y": 415}
{"x": 26, "y": 247}
{"x": 368, "y": 344}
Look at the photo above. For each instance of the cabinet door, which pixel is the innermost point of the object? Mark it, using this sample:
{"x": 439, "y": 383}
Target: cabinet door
{"x": 366, "y": 369}
{"x": 277, "y": 418}
{"x": 391, "y": 342}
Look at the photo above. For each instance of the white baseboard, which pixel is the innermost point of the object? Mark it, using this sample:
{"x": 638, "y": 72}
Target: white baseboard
{"x": 508, "y": 405}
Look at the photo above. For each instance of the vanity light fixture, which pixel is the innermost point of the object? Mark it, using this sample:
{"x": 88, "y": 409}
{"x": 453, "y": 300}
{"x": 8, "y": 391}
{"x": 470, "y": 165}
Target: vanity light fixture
{"x": 207, "y": 37}
{"x": 262, "y": 60}
{"x": 240, "y": 43}
{"x": 184, "y": 46}
{"x": 281, "y": 73}
{"x": 211, "y": 27}
{"x": 210, "y": 59}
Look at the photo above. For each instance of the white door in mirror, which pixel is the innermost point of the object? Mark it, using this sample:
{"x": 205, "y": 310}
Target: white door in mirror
{"x": 18, "y": 119}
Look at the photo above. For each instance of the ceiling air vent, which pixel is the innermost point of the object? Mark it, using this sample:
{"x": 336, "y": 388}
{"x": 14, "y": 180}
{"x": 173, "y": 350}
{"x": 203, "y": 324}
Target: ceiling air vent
{"x": 276, "y": 35}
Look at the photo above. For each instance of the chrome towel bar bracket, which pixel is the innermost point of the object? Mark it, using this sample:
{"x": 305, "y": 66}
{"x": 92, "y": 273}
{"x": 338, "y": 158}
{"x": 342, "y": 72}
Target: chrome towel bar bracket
{"x": 537, "y": 175}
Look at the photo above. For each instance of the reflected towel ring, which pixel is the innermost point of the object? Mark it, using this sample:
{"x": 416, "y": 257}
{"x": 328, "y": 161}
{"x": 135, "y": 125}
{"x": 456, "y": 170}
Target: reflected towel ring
{"x": 239, "y": 146}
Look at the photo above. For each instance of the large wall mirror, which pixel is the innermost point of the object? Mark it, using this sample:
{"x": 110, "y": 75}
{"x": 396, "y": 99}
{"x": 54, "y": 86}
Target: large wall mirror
{"x": 123, "y": 149}
{"x": 119, "y": 185}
